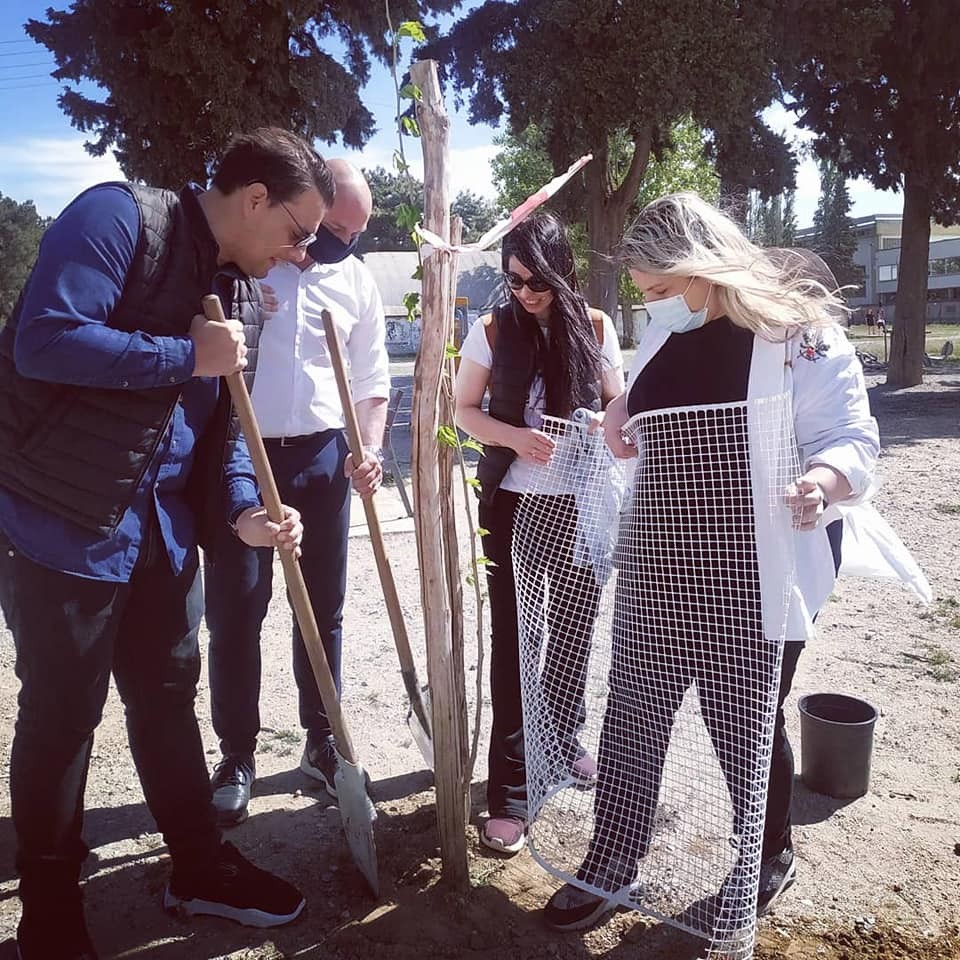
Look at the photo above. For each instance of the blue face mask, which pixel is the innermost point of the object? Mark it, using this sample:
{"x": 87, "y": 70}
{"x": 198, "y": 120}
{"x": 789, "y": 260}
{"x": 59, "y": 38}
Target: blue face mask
{"x": 329, "y": 248}
{"x": 673, "y": 314}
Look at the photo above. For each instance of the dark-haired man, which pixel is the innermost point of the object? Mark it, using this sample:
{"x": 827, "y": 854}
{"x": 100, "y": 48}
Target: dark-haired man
{"x": 118, "y": 455}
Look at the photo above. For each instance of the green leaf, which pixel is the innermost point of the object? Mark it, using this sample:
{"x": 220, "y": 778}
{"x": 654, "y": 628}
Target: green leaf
{"x": 447, "y": 435}
{"x": 399, "y": 164}
{"x": 483, "y": 532}
{"x": 471, "y": 579}
{"x": 412, "y": 29}
{"x": 407, "y": 216}
{"x": 411, "y": 301}
{"x": 485, "y": 562}
{"x": 451, "y": 353}
{"x": 410, "y": 126}
{"x": 471, "y": 444}
{"x": 410, "y": 91}
{"x": 418, "y": 273}
{"x": 473, "y": 482}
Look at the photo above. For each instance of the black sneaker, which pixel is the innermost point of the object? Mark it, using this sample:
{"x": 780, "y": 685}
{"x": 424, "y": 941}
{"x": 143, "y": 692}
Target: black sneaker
{"x": 233, "y": 888}
{"x": 231, "y": 782}
{"x": 571, "y": 908}
{"x": 777, "y": 874}
{"x": 319, "y": 761}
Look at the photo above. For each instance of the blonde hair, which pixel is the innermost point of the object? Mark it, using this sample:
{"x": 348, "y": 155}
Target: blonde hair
{"x": 769, "y": 292}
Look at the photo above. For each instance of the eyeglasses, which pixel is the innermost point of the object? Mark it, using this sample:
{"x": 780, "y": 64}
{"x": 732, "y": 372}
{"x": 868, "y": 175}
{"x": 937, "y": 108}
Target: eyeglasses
{"x": 534, "y": 284}
{"x": 306, "y": 237}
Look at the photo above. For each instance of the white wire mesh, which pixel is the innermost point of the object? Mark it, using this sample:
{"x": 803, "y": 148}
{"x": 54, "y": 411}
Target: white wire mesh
{"x": 642, "y": 643}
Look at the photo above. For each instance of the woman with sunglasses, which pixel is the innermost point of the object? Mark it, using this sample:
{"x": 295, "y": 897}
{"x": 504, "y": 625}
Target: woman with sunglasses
{"x": 696, "y": 592}
{"x": 543, "y": 352}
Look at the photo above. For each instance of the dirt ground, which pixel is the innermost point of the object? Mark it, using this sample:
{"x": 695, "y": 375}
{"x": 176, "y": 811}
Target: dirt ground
{"x": 878, "y": 878}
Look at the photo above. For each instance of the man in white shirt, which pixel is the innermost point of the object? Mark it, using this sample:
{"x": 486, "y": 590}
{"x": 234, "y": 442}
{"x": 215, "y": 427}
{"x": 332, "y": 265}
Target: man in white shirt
{"x": 297, "y": 405}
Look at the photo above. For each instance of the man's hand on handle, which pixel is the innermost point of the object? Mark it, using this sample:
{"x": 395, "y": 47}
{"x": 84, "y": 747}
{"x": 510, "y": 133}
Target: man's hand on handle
{"x": 367, "y": 477}
{"x": 220, "y": 347}
{"x": 255, "y": 529}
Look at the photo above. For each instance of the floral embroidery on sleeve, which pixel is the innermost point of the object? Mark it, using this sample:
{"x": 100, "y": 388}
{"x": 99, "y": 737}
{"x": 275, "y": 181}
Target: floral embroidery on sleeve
{"x": 812, "y": 345}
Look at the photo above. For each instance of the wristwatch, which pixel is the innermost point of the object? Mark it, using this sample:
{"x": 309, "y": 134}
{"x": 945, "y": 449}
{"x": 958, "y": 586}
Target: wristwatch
{"x": 376, "y": 451}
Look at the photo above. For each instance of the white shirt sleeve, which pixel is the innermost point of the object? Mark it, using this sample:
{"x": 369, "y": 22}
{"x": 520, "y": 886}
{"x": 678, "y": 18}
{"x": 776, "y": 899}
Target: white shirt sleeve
{"x": 475, "y": 346}
{"x": 611, "y": 357}
{"x": 831, "y": 409}
{"x": 367, "y": 347}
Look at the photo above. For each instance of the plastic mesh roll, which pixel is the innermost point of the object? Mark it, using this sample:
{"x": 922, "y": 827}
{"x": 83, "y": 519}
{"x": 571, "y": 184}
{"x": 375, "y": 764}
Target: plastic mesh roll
{"x": 642, "y": 642}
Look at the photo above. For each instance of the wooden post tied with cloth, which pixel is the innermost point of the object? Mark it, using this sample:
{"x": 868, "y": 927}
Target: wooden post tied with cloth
{"x": 430, "y": 483}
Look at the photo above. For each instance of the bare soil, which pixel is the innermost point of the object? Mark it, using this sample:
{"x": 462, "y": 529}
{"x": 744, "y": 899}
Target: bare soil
{"x": 878, "y": 878}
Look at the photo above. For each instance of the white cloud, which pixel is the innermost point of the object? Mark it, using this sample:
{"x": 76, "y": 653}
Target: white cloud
{"x": 51, "y": 171}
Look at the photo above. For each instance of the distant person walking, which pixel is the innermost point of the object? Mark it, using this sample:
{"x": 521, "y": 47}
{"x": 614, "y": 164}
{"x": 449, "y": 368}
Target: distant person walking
{"x": 870, "y": 320}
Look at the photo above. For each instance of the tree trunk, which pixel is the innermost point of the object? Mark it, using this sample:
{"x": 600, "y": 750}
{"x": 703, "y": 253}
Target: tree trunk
{"x": 606, "y": 217}
{"x": 629, "y": 339}
{"x": 604, "y": 232}
{"x": 905, "y": 368}
{"x": 444, "y": 666}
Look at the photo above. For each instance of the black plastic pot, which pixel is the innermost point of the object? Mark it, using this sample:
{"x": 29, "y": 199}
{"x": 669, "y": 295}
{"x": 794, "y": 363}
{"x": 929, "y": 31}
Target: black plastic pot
{"x": 836, "y": 741}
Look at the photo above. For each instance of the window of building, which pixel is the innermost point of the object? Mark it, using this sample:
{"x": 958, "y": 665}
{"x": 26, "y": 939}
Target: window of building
{"x": 889, "y": 243}
{"x": 887, "y": 273}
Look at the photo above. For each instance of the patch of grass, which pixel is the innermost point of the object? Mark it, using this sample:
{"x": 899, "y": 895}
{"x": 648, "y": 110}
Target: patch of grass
{"x": 947, "y": 610}
{"x": 482, "y": 872}
{"x": 951, "y": 509}
{"x": 938, "y": 661}
{"x": 941, "y": 664}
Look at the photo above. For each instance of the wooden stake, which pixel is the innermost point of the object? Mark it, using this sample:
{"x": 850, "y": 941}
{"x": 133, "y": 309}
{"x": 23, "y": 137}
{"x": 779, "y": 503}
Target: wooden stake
{"x": 444, "y": 666}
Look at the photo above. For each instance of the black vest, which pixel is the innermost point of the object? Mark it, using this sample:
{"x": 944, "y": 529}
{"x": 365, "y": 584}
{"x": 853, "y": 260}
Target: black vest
{"x": 512, "y": 373}
{"x": 81, "y": 452}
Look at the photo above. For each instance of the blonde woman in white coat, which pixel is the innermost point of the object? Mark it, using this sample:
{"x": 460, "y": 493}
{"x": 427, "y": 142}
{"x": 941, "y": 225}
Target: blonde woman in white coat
{"x": 728, "y": 324}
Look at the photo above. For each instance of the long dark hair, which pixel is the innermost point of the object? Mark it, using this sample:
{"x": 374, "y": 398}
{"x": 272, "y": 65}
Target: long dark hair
{"x": 572, "y": 356}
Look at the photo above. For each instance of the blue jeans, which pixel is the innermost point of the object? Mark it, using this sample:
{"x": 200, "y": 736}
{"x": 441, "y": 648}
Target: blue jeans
{"x": 70, "y": 634}
{"x": 239, "y": 583}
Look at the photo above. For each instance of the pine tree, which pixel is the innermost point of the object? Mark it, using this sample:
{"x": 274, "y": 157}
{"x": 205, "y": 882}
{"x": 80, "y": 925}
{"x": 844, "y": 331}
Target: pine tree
{"x": 834, "y": 238}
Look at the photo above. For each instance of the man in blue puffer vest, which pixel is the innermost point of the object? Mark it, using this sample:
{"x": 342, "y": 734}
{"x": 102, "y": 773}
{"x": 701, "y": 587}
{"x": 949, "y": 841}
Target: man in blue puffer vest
{"x": 119, "y": 454}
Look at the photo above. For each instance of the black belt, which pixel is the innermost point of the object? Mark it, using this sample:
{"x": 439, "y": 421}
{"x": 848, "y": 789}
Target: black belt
{"x": 294, "y": 441}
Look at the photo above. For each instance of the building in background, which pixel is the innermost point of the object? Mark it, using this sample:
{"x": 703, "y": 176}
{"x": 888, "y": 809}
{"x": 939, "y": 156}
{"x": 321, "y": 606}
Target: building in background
{"x": 878, "y": 253}
{"x": 478, "y": 288}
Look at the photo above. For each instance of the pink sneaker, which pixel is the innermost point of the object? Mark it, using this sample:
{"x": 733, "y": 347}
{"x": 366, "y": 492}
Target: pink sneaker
{"x": 504, "y": 834}
{"x": 584, "y": 771}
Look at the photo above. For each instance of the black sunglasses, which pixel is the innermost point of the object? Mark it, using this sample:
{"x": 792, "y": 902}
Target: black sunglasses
{"x": 534, "y": 284}
{"x": 306, "y": 238}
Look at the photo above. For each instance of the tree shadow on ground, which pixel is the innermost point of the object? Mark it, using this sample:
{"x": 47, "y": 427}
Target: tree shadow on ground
{"x": 909, "y": 415}
{"x": 416, "y": 916}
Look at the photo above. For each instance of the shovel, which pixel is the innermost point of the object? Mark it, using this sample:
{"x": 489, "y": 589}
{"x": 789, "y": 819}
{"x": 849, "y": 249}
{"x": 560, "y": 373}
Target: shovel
{"x": 356, "y": 809}
{"x": 418, "y": 717}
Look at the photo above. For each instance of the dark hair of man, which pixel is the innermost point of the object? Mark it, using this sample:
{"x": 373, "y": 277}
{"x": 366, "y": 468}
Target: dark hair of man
{"x": 572, "y": 355}
{"x": 283, "y": 162}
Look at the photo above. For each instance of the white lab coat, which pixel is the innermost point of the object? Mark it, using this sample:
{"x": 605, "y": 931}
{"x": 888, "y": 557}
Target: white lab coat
{"x": 833, "y": 426}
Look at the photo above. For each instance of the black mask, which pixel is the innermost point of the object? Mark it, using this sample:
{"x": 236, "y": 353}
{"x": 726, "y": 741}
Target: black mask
{"x": 328, "y": 248}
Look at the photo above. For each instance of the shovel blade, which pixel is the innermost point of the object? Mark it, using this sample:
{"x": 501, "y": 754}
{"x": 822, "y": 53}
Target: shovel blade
{"x": 422, "y": 736}
{"x": 358, "y": 813}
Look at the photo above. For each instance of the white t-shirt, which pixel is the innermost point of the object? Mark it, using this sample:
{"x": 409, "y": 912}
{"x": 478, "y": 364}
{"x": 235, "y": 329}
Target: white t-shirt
{"x": 476, "y": 347}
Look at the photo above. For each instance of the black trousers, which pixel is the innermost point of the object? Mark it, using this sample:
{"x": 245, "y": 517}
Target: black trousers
{"x": 572, "y": 599}
{"x": 648, "y": 679}
{"x": 70, "y": 633}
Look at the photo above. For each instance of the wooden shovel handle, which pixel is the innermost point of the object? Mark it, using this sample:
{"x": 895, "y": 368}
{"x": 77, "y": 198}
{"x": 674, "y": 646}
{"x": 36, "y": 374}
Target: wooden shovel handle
{"x": 390, "y": 596}
{"x": 292, "y": 573}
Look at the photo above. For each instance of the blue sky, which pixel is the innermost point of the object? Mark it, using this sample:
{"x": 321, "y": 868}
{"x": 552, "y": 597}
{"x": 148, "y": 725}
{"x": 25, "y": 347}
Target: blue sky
{"x": 42, "y": 157}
